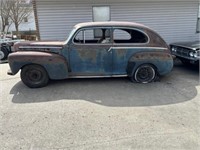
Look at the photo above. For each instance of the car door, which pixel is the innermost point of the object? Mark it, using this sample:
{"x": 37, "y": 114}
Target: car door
{"x": 126, "y": 42}
{"x": 90, "y": 52}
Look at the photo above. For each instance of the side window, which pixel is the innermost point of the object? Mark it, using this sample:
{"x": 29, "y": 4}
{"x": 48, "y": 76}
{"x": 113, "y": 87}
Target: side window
{"x": 129, "y": 36}
{"x": 79, "y": 37}
{"x": 88, "y": 36}
{"x": 120, "y": 34}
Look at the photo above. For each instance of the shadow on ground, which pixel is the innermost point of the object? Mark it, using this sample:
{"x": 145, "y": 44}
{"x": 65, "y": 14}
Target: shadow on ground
{"x": 177, "y": 87}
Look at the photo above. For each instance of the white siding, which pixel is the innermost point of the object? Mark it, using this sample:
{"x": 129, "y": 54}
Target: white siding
{"x": 173, "y": 20}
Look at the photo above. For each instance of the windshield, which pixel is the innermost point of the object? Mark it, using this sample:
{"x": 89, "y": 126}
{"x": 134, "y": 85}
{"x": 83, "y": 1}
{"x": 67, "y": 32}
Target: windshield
{"x": 70, "y": 35}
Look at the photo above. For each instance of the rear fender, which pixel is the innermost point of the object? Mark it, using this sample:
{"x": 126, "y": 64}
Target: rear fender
{"x": 162, "y": 61}
{"x": 55, "y": 65}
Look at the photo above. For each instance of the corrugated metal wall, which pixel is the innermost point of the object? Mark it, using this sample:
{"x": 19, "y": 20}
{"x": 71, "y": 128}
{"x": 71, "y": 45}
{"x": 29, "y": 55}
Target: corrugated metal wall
{"x": 173, "y": 20}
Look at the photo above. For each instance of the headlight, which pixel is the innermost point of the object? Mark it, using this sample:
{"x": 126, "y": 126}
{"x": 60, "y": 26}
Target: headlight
{"x": 173, "y": 49}
{"x": 191, "y": 54}
{"x": 197, "y": 54}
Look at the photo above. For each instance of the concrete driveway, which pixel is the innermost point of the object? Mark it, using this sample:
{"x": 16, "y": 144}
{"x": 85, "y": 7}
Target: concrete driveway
{"x": 110, "y": 113}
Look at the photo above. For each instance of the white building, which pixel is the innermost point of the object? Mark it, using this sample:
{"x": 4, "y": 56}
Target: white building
{"x": 174, "y": 20}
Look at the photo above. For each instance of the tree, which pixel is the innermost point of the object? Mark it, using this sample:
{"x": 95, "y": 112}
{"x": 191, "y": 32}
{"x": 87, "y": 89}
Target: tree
{"x": 5, "y": 14}
{"x": 19, "y": 10}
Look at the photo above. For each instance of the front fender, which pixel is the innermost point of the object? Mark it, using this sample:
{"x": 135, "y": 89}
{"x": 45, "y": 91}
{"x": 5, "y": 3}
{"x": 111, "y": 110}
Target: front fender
{"x": 56, "y": 65}
{"x": 163, "y": 62}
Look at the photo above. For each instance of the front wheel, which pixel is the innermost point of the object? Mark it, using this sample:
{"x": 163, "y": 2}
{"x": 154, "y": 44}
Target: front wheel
{"x": 145, "y": 73}
{"x": 34, "y": 76}
{"x": 3, "y": 53}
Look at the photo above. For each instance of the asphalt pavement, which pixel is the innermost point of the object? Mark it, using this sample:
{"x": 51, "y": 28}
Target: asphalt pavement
{"x": 108, "y": 113}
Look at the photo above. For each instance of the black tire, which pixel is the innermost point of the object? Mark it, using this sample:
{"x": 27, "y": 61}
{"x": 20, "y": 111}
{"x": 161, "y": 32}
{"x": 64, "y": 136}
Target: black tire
{"x": 4, "y": 53}
{"x": 145, "y": 73}
{"x": 34, "y": 76}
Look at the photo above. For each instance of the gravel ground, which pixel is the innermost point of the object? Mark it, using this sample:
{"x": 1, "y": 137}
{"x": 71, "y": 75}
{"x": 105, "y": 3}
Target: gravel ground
{"x": 109, "y": 113}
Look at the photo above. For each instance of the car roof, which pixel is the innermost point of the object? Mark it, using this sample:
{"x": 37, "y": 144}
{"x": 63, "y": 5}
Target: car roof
{"x": 110, "y": 23}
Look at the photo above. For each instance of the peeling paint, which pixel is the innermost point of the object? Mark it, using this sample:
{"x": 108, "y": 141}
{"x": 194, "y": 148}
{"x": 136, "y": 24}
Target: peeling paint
{"x": 65, "y": 60}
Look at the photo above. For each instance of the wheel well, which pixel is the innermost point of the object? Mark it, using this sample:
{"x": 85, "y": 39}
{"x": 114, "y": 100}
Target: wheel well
{"x": 32, "y": 64}
{"x": 36, "y": 65}
{"x": 151, "y": 64}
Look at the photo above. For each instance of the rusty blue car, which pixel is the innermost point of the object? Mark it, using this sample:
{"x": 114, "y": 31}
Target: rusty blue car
{"x": 94, "y": 49}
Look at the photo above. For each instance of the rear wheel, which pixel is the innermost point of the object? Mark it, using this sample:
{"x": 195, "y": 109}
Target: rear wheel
{"x": 34, "y": 76}
{"x": 145, "y": 73}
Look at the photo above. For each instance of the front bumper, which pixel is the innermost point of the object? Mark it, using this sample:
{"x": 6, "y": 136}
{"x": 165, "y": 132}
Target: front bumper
{"x": 185, "y": 57}
{"x": 9, "y": 72}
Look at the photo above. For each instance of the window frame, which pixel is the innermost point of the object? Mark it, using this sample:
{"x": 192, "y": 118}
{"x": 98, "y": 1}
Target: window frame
{"x": 93, "y": 28}
{"x": 148, "y": 39}
{"x": 25, "y": 19}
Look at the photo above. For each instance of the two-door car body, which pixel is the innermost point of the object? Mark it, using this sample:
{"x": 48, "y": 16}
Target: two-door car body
{"x": 94, "y": 49}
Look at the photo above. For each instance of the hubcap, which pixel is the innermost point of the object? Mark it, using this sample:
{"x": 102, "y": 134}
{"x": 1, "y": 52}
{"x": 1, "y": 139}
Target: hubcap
{"x": 145, "y": 74}
{"x": 34, "y": 76}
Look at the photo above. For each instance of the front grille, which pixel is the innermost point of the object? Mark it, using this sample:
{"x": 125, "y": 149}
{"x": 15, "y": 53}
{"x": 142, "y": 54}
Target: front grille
{"x": 182, "y": 51}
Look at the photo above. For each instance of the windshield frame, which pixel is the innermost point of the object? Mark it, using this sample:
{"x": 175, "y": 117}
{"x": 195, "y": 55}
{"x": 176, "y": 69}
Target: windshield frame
{"x": 70, "y": 35}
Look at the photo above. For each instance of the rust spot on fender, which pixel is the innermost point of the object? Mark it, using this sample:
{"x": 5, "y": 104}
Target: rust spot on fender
{"x": 152, "y": 55}
{"x": 34, "y": 56}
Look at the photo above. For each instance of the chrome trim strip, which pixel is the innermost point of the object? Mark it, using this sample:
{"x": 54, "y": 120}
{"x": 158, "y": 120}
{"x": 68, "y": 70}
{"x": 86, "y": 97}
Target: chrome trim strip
{"x": 36, "y": 47}
{"x": 140, "y": 47}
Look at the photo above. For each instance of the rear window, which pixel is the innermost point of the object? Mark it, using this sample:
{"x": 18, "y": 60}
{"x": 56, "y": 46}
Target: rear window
{"x": 122, "y": 35}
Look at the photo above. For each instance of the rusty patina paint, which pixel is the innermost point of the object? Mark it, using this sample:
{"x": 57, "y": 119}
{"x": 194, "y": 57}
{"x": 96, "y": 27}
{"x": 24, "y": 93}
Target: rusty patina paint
{"x": 87, "y": 54}
{"x": 162, "y": 61}
{"x": 56, "y": 65}
{"x": 151, "y": 55}
{"x": 68, "y": 59}
{"x": 121, "y": 52}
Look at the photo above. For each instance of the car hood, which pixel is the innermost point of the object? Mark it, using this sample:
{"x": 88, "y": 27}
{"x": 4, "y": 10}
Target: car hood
{"x": 38, "y": 45}
{"x": 195, "y": 45}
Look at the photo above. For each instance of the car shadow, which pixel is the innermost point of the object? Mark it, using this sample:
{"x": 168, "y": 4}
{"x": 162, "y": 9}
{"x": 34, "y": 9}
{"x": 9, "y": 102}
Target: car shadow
{"x": 179, "y": 86}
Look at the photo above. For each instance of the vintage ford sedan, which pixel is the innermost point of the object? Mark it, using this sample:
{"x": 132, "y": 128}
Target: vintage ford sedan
{"x": 95, "y": 49}
{"x": 187, "y": 52}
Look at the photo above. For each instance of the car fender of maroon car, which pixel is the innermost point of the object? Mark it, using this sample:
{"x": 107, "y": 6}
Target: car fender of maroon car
{"x": 94, "y": 49}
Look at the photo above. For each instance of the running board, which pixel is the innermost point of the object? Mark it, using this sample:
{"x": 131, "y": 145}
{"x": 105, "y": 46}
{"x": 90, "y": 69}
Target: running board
{"x": 105, "y": 76}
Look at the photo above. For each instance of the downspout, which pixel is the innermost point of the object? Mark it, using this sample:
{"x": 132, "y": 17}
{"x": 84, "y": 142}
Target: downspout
{"x": 36, "y": 19}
